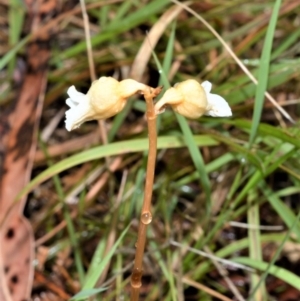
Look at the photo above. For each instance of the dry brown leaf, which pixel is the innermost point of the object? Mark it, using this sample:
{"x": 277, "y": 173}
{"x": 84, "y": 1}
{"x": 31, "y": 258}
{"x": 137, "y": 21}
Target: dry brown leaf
{"x": 16, "y": 237}
{"x": 19, "y": 133}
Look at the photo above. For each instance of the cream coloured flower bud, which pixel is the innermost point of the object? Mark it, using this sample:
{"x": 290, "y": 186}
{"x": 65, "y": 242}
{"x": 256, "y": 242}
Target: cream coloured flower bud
{"x": 193, "y": 100}
{"x": 105, "y": 98}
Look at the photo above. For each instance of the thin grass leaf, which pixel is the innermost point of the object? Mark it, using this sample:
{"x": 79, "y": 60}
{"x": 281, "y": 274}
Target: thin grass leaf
{"x": 275, "y": 257}
{"x": 74, "y": 243}
{"x": 210, "y": 167}
{"x": 135, "y": 206}
{"x": 16, "y": 19}
{"x": 122, "y": 11}
{"x": 282, "y": 209}
{"x": 84, "y": 294}
{"x": 258, "y": 176}
{"x": 103, "y": 16}
{"x": 238, "y": 93}
{"x": 197, "y": 159}
{"x": 287, "y": 191}
{"x": 275, "y": 271}
{"x": 92, "y": 278}
{"x": 255, "y": 252}
{"x": 193, "y": 149}
{"x": 173, "y": 291}
{"x": 165, "y": 269}
{"x": 112, "y": 149}
{"x": 286, "y": 44}
{"x": 10, "y": 54}
{"x": 269, "y": 130}
{"x": 166, "y": 66}
{"x": 235, "y": 247}
{"x": 96, "y": 258}
{"x": 71, "y": 230}
{"x": 248, "y": 155}
{"x": 263, "y": 74}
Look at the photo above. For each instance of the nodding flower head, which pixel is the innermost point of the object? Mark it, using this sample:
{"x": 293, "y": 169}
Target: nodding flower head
{"x": 105, "y": 98}
{"x": 193, "y": 100}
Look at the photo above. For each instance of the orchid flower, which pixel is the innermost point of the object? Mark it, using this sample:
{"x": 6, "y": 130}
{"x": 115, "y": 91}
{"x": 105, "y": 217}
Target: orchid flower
{"x": 193, "y": 100}
{"x": 105, "y": 98}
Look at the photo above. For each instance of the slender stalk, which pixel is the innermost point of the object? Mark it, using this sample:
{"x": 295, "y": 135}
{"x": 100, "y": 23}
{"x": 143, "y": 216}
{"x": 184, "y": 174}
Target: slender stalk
{"x": 103, "y": 133}
{"x": 88, "y": 40}
{"x": 146, "y": 217}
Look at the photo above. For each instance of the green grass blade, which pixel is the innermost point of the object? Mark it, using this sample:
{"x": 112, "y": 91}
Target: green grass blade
{"x": 96, "y": 258}
{"x": 71, "y": 229}
{"x": 289, "y": 41}
{"x": 16, "y": 19}
{"x": 167, "y": 272}
{"x": 10, "y": 54}
{"x": 278, "y": 272}
{"x": 112, "y": 149}
{"x": 123, "y": 10}
{"x": 210, "y": 167}
{"x": 282, "y": 209}
{"x": 74, "y": 243}
{"x": 165, "y": 69}
{"x": 258, "y": 176}
{"x": 103, "y": 16}
{"x": 85, "y": 294}
{"x": 239, "y": 93}
{"x": 236, "y": 247}
{"x": 166, "y": 66}
{"x": 242, "y": 150}
{"x": 269, "y": 130}
{"x": 92, "y": 278}
{"x": 288, "y": 276}
{"x": 255, "y": 252}
{"x": 263, "y": 73}
{"x": 193, "y": 148}
{"x": 197, "y": 159}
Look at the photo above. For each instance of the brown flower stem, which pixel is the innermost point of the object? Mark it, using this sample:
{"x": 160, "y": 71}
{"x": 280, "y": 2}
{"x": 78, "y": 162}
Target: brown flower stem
{"x": 146, "y": 217}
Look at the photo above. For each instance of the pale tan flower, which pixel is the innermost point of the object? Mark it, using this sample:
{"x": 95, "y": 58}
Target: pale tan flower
{"x": 105, "y": 98}
{"x": 193, "y": 100}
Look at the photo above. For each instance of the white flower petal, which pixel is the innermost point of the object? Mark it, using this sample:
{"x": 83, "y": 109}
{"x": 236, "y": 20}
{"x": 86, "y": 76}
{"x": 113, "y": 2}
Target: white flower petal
{"x": 206, "y": 86}
{"x": 71, "y": 103}
{"x": 75, "y": 95}
{"x": 76, "y": 115}
{"x": 79, "y": 111}
{"x": 217, "y": 106}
